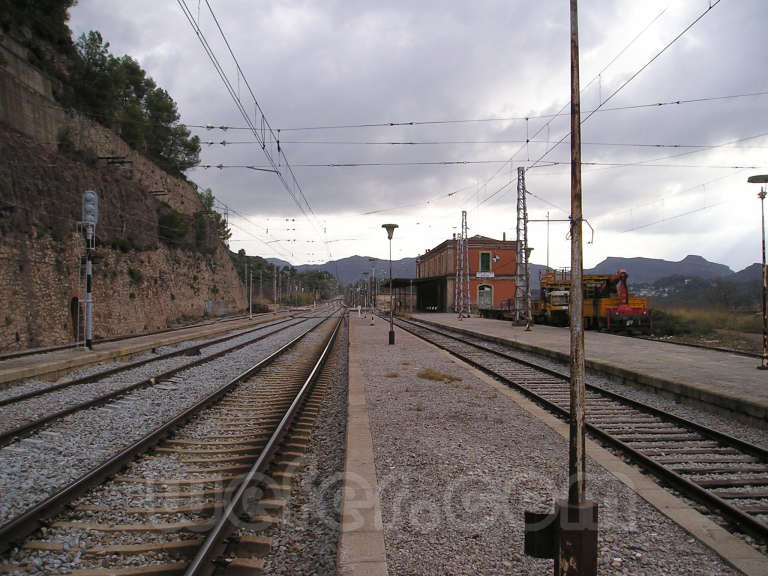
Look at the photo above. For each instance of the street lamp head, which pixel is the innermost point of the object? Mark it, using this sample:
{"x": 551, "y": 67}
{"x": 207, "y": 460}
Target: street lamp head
{"x": 759, "y": 179}
{"x": 390, "y": 229}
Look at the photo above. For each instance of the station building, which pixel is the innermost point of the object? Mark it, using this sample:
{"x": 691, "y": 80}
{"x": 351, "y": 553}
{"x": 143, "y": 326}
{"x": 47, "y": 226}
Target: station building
{"x": 491, "y": 274}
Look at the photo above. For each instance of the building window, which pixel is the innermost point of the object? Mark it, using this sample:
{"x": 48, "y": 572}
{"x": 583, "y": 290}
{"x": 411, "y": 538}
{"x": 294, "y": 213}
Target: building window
{"x": 485, "y": 261}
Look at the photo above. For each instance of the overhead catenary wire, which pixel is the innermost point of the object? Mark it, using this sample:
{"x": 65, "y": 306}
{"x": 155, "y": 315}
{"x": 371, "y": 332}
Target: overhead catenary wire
{"x": 675, "y": 217}
{"x": 644, "y": 163}
{"x": 639, "y": 164}
{"x": 560, "y": 112}
{"x": 280, "y": 153}
{"x": 567, "y": 104}
{"x": 631, "y": 78}
{"x": 409, "y": 205}
{"x": 520, "y": 118}
{"x": 647, "y": 162}
{"x": 454, "y": 142}
{"x": 662, "y": 198}
{"x": 280, "y": 165}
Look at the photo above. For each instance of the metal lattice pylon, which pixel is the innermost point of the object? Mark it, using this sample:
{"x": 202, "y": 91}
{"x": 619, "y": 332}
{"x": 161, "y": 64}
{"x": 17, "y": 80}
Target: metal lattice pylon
{"x": 522, "y": 276}
{"x": 462, "y": 301}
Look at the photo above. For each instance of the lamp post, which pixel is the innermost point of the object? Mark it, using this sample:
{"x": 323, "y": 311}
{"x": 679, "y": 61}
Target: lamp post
{"x": 390, "y": 231}
{"x": 762, "y": 179}
{"x": 373, "y": 290}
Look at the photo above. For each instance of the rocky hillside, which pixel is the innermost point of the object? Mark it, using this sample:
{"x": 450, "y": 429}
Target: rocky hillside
{"x": 158, "y": 259}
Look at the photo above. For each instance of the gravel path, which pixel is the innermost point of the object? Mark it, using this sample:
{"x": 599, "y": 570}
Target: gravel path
{"x": 34, "y": 468}
{"x": 458, "y": 463}
{"x": 307, "y": 540}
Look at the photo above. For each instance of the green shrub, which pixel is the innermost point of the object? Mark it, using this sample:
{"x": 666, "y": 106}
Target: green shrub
{"x": 677, "y": 320}
{"x": 201, "y": 232}
{"x": 135, "y": 275}
{"x": 172, "y": 228}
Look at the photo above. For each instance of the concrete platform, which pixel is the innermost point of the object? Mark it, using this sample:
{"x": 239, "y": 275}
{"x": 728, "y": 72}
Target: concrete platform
{"x": 470, "y": 436}
{"x": 722, "y": 380}
{"x": 361, "y": 545}
{"x": 52, "y": 365}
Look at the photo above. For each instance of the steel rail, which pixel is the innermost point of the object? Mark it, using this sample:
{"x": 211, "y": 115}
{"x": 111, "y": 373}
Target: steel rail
{"x": 11, "y": 435}
{"x": 688, "y": 487}
{"x": 214, "y": 544}
{"x": 711, "y": 433}
{"x": 129, "y": 366}
{"x": 15, "y": 531}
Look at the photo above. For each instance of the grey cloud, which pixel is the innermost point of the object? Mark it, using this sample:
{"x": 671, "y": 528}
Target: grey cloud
{"x": 342, "y": 62}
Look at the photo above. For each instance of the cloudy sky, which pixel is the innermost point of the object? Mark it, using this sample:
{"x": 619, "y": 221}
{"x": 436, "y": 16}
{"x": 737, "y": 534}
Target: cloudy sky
{"x": 476, "y": 79}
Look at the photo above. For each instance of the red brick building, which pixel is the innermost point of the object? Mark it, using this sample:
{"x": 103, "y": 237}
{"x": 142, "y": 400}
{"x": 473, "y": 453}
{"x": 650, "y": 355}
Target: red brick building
{"x": 491, "y": 274}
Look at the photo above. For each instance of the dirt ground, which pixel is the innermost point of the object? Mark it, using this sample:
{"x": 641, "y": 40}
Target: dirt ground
{"x": 742, "y": 341}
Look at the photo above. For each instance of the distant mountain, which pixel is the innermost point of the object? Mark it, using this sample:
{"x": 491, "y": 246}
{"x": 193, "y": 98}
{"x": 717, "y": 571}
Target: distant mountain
{"x": 535, "y": 270}
{"x": 641, "y": 270}
{"x": 752, "y": 274}
{"x": 347, "y": 270}
{"x": 280, "y": 263}
{"x": 649, "y": 270}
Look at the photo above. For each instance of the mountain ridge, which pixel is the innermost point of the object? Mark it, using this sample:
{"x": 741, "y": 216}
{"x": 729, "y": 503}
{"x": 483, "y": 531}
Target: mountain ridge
{"x": 350, "y": 269}
{"x": 648, "y": 270}
{"x": 641, "y": 270}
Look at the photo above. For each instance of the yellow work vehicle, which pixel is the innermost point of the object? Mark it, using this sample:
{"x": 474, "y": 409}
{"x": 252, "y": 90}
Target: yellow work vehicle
{"x": 608, "y": 305}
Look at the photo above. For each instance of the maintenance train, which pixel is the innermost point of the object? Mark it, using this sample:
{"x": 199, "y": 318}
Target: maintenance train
{"x": 608, "y": 305}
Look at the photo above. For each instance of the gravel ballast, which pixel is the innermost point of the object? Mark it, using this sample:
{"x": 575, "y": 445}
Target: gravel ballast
{"x": 458, "y": 464}
{"x": 35, "y": 467}
{"x": 681, "y": 407}
{"x": 135, "y": 502}
{"x": 306, "y": 541}
{"x": 26, "y": 411}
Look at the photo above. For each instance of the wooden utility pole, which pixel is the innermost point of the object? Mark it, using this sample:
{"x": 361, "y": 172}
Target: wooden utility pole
{"x": 576, "y": 551}
{"x": 576, "y": 488}
{"x": 570, "y": 534}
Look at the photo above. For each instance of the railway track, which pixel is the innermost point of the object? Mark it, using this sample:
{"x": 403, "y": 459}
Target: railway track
{"x": 16, "y": 392}
{"x": 725, "y": 474}
{"x": 26, "y": 412}
{"x": 204, "y": 496}
{"x": 39, "y": 465}
{"x": 32, "y": 351}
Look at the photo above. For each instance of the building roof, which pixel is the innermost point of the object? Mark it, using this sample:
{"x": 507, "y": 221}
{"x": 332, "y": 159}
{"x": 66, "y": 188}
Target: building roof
{"x": 474, "y": 241}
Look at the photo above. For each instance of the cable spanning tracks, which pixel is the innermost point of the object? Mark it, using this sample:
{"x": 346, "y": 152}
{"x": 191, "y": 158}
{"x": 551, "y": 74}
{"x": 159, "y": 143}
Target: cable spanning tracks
{"x": 727, "y": 475}
{"x": 49, "y": 405}
{"x": 200, "y": 501}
